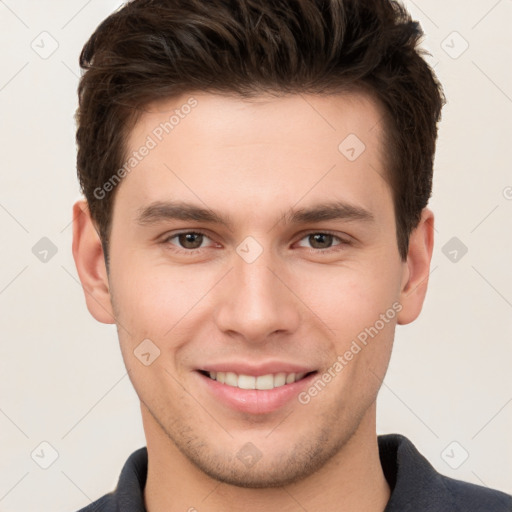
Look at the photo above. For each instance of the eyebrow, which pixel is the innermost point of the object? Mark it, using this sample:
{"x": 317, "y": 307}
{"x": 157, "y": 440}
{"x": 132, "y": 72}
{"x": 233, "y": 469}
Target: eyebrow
{"x": 177, "y": 210}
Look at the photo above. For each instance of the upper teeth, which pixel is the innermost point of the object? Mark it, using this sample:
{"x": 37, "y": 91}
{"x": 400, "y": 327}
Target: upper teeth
{"x": 269, "y": 381}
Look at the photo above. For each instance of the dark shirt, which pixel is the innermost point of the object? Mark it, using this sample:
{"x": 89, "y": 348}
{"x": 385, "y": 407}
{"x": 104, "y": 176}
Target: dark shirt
{"x": 415, "y": 485}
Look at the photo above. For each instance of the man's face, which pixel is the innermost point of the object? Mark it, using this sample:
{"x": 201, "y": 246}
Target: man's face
{"x": 265, "y": 294}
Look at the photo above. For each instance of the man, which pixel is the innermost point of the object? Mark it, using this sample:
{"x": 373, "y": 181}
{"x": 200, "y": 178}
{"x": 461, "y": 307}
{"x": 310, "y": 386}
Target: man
{"x": 256, "y": 178}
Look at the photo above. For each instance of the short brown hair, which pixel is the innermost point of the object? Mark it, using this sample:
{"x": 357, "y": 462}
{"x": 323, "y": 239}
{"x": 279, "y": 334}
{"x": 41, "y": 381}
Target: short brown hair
{"x": 155, "y": 49}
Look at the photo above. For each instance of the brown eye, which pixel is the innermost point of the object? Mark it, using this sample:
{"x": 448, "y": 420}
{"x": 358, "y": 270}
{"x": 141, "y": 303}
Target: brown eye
{"x": 320, "y": 240}
{"x": 190, "y": 240}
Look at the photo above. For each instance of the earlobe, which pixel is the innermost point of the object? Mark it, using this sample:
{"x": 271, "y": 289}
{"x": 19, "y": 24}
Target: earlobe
{"x": 417, "y": 268}
{"x": 90, "y": 264}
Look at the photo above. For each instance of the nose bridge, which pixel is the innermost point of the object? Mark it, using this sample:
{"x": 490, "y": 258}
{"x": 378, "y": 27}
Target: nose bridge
{"x": 256, "y": 303}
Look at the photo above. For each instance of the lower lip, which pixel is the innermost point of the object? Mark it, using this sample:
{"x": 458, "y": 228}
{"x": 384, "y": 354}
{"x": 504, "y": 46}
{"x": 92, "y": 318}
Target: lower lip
{"x": 256, "y": 401}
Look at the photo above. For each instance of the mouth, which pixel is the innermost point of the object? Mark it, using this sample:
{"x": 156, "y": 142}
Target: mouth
{"x": 255, "y": 388}
{"x": 252, "y": 382}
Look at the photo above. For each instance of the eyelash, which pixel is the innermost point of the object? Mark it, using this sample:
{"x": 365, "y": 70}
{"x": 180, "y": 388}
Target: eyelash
{"x": 192, "y": 252}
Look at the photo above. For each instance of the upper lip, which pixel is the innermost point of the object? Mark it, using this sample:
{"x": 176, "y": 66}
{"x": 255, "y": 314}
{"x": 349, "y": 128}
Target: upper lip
{"x": 257, "y": 370}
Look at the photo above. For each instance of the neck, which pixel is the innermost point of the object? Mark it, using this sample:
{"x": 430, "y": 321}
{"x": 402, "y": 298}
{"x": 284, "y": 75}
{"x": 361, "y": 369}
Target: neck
{"x": 351, "y": 481}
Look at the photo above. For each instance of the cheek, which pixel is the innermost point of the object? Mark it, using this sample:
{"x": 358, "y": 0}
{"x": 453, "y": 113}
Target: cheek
{"x": 152, "y": 298}
{"x": 350, "y": 299}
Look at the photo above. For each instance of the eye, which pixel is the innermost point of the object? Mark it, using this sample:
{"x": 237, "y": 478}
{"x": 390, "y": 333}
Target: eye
{"x": 191, "y": 242}
{"x": 187, "y": 240}
{"x": 323, "y": 241}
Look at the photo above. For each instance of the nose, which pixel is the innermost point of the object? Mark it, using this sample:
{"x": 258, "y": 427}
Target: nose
{"x": 256, "y": 302}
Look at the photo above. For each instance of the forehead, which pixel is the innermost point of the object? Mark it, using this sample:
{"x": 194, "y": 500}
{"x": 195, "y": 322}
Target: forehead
{"x": 257, "y": 152}
{"x": 297, "y": 117}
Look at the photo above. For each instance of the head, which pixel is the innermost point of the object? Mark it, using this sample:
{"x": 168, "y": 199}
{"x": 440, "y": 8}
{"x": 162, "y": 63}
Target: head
{"x": 294, "y": 142}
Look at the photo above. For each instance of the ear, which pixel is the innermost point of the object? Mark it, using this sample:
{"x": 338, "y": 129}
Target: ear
{"x": 90, "y": 264}
{"x": 417, "y": 268}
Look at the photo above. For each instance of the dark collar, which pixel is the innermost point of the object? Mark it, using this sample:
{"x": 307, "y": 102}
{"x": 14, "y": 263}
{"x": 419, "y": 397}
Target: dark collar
{"x": 415, "y": 485}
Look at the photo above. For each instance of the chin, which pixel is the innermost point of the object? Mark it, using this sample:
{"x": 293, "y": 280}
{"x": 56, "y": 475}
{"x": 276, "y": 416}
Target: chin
{"x": 270, "y": 467}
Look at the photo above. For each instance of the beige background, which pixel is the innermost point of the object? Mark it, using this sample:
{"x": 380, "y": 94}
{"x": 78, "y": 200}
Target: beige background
{"x": 62, "y": 380}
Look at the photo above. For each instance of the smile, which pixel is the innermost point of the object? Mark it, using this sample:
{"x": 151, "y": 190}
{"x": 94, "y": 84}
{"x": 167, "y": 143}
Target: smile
{"x": 261, "y": 382}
